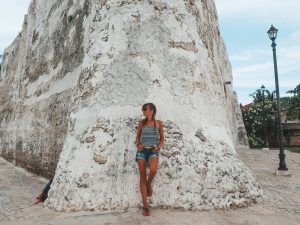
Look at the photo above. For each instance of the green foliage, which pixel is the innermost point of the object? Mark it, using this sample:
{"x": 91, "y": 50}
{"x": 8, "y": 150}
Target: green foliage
{"x": 260, "y": 118}
{"x": 259, "y": 95}
{"x": 293, "y": 107}
{"x": 284, "y": 101}
{"x": 255, "y": 142}
{"x": 294, "y": 149}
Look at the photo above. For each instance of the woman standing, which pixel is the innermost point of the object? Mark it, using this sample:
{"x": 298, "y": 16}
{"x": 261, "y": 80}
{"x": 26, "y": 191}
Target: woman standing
{"x": 149, "y": 140}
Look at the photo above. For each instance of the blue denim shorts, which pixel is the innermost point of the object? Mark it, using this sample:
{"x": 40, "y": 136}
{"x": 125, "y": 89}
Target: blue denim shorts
{"x": 145, "y": 154}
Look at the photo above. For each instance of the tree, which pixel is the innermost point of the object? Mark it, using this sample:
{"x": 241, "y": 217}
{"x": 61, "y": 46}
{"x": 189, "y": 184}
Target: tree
{"x": 260, "y": 121}
{"x": 1, "y": 56}
{"x": 260, "y": 118}
{"x": 293, "y": 107}
{"x": 259, "y": 95}
{"x": 284, "y": 101}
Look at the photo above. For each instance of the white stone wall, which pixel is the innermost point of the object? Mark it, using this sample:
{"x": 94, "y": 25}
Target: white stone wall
{"x": 102, "y": 60}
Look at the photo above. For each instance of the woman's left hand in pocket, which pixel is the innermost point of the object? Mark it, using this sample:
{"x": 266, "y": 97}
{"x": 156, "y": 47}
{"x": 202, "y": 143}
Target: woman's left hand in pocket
{"x": 155, "y": 149}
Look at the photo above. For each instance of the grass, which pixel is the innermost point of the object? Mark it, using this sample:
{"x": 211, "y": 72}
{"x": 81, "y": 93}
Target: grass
{"x": 294, "y": 149}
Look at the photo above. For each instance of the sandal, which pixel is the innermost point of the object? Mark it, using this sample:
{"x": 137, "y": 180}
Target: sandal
{"x": 146, "y": 212}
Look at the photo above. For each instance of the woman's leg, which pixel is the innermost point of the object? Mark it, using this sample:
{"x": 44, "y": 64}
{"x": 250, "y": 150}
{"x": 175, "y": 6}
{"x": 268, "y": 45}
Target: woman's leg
{"x": 143, "y": 188}
{"x": 153, "y": 161}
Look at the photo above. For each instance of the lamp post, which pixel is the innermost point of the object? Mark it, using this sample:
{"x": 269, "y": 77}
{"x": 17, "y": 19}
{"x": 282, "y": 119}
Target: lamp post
{"x": 272, "y": 32}
{"x": 1, "y": 56}
{"x": 263, "y": 112}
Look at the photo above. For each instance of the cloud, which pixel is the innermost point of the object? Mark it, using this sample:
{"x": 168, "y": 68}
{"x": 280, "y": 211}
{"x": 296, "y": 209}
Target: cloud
{"x": 258, "y": 11}
{"x": 253, "y": 76}
{"x": 249, "y": 55}
{"x": 255, "y": 67}
{"x": 11, "y": 19}
{"x": 288, "y": 58}
{"x": 296, "y": 35}
{"x": 249, "y": 77}
{"x": 243, "y": 22}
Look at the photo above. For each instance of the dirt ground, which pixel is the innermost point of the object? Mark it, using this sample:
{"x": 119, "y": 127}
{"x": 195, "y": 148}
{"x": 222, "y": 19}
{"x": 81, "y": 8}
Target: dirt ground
{"x": 280, "y": 205}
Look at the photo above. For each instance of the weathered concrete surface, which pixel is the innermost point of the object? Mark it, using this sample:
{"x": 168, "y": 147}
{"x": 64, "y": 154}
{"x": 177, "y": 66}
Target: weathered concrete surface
{"x": 71, "y": 89}
{"x": 280, "y": 205}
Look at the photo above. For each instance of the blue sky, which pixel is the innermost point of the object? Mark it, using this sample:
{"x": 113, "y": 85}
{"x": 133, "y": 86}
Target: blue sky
{"x": 243, "y": 25}
{"x": 11, "y": 19}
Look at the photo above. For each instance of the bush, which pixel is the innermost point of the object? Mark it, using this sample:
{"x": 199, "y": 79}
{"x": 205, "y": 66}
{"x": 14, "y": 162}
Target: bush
{"x": 255, "y": 142}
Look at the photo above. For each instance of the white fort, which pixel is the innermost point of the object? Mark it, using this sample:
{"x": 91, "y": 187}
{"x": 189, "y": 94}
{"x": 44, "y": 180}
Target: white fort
{"x": 72, "y": 86}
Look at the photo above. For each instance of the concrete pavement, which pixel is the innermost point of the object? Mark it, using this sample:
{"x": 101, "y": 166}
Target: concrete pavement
{"x": 280, "y": 205}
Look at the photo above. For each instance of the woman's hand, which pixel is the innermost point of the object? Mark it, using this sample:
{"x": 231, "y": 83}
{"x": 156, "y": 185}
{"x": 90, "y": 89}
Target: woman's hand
{"x": 140, "y": 147}
{"x": 155, "y": 149}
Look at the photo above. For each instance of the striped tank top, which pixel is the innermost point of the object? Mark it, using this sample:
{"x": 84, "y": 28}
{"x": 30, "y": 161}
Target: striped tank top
{"x": 149, "y": 135}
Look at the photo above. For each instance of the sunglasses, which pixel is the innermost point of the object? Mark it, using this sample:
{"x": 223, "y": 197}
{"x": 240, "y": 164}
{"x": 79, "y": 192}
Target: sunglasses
{"x": 147, "y": 109}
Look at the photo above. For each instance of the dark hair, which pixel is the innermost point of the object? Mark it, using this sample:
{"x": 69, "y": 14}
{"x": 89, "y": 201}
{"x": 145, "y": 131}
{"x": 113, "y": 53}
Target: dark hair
{"x": 153, "y": 107}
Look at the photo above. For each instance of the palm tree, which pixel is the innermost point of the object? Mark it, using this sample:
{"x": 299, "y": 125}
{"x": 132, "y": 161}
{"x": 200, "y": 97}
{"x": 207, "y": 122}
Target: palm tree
{"x": 261, "y": 95}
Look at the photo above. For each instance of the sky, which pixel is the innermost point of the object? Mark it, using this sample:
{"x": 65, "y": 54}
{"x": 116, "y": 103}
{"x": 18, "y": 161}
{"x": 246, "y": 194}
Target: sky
{"x": 243, "y": 25}
{"x": 11, "y": 19}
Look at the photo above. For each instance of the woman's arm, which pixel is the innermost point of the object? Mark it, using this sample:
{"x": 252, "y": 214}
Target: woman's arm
{"x": 138, "y": 134}
{"x": 161, "y": 135}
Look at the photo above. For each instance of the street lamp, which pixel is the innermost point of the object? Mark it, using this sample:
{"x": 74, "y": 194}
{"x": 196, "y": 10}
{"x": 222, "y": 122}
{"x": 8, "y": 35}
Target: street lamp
{"x": 263, "y": 111}
{"x": 262, "y": 88}
{"x": 0, "y": 62}
{"x": 272, "y": 32}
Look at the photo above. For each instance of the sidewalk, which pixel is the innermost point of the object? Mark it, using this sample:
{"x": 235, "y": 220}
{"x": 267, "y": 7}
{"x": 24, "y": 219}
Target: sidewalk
{"x": 281, "y": 203}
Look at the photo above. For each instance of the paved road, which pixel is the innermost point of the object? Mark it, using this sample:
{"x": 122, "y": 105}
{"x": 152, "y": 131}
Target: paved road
{"x": 281, "y": 203}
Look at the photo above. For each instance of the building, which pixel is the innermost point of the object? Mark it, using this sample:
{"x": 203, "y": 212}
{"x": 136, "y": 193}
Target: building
{"x": 291, "y": 132}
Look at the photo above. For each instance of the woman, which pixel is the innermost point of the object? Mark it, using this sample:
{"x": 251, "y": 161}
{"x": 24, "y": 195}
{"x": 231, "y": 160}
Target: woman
{"x": 149, "y": 140}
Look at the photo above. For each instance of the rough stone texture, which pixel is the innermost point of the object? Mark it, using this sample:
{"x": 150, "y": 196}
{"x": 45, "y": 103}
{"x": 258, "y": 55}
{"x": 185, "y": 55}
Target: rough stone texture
{"x": 74, "y": 82}
{"x": 242, "y": 138}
